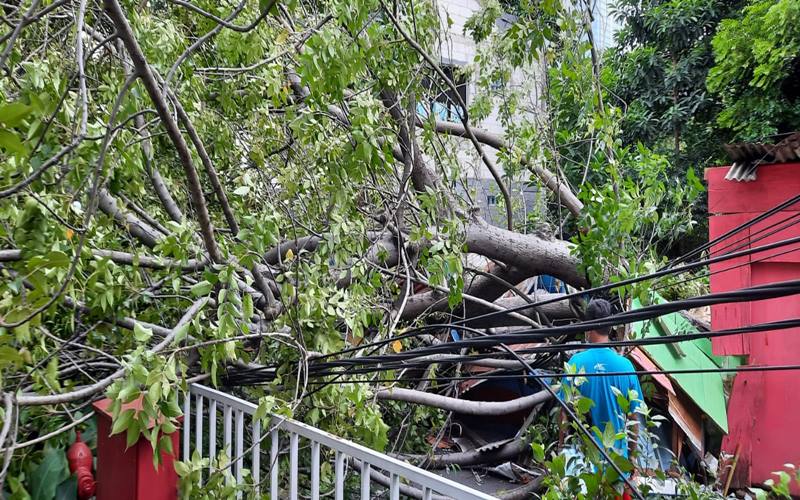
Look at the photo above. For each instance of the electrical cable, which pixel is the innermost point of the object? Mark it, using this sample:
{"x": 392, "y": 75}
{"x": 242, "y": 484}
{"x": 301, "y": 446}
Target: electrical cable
{"x": 760, "y": 292}
{"x": 777, "y": 208}
{"x": 718, "y": 271}
{"x": 381, "y": 363}
{"x": 562, "y": 375}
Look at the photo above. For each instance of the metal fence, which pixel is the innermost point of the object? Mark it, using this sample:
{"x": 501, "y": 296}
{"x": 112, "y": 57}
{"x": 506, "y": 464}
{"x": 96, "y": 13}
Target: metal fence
{"x": 358, "y": 471}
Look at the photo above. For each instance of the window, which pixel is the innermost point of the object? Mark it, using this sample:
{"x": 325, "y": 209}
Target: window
{"x": 442, "y": 101}
{"x": 491, "y": 200}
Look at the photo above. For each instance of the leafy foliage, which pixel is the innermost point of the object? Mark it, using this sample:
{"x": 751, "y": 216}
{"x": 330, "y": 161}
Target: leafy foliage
{"x": 757, "y": 58}
{"x": 657, "y": 72}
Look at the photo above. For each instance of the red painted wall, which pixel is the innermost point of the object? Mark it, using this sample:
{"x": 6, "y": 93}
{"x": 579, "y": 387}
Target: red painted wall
{"x": 127, "y": 473}
{"x": 764, "y": 406}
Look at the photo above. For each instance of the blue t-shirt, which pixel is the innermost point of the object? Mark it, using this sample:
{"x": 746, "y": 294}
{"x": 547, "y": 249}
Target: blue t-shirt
{"x": 598, "y": 389}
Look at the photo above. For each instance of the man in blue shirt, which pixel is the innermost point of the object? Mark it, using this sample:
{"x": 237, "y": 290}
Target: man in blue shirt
{"x": 600, "y": 389}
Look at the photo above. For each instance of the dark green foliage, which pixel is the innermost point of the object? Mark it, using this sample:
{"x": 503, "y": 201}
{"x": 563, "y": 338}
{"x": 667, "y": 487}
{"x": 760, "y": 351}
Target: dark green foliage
{"x": 657, "y": 74}
{"x": 757, "y": 69}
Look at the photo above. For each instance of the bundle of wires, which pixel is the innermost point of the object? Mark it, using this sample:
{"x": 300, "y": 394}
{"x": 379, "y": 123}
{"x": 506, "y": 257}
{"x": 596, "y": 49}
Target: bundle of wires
{"x": 476, "y": 347}
{"x": 338, "y": 364}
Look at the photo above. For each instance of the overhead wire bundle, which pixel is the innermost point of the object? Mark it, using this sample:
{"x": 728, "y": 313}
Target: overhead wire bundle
{"x": 477, "y": 347}
{"x": 326, "y": 365}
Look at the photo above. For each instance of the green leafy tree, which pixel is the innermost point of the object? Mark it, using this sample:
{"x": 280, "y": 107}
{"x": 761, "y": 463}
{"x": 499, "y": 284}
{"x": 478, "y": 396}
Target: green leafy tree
{"x": 757, "y": 69}
{"x": 210, "y": 190}
{"x": 657, "y": 73}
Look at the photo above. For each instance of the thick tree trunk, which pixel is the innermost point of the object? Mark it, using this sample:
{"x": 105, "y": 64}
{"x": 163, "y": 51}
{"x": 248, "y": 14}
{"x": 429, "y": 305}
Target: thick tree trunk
{"x": 528, "y": 253}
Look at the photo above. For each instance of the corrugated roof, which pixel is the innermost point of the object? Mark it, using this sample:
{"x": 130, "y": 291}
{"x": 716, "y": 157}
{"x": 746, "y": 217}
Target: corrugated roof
{"x": 705, "y": 389}
{"x": 747, "y": 156}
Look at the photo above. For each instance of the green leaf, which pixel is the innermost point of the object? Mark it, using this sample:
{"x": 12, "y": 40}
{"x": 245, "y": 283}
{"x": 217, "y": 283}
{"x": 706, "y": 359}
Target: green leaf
{"x": 154, "y": 392}
{"x": 202, "y": 288}
{"x": 538, "y": 451}
{"x": 583, "y": 405}
{"x": 67, "y": 489}
{"x": 181, "y": 333}
{"x": 182, "y": 469}
{"x": 140, "y": 333}
{"x": 247, "y": 307}
{"x": 132, "y": 434}
{"x": 265, "y": 406}
{"x": 56, "y": 259}
{"x": 122, "y": 422}
{"x": 48, "y": 475}
{"x": 165, "y": 443}
{"x": 11, "y": 143}
{"x": 12, "y": 114}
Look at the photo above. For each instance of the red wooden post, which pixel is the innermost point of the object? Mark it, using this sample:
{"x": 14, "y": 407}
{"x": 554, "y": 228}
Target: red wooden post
{"x": 763, "y": 408}
{"x": 129, "y": 474}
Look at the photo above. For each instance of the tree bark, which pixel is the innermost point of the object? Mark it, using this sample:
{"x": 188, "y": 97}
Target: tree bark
{"x": 503, "y": 453}
{"x": 479, "y": 408}
{"x": 529, "y": 253}
{"x": 553, "y": 183}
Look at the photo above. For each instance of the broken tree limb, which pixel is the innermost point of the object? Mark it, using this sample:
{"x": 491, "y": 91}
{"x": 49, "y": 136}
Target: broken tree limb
{"x": 490, "y": 454}
{"x": 551, "y": 180}
{"x": 139, "y": 229}
{"x": 12, "y": 255}
{"x": 479, "y": 408}
{"x": 143, "y": 70}
{"x": 527, "y": 252}
{"x": 91, "y": 390}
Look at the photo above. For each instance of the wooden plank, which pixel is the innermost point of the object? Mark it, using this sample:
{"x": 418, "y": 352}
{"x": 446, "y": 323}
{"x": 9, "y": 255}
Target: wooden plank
{"x": 687, "y": 417}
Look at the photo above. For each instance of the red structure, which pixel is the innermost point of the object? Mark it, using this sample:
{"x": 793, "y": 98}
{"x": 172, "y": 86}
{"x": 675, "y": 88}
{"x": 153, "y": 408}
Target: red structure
{"x": 764, "y": 407}
{"x": 129, "y": 474}
{"x": 79, "y": 458}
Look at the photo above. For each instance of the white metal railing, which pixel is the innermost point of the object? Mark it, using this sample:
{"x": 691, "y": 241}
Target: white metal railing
{"x": 204, "y": 408}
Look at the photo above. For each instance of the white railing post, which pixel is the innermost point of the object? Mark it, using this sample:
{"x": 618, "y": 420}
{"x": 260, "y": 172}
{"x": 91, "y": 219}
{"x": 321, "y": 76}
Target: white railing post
{"x": 293, "y": 445}
{"x": 227, "y": 430}
{"x": 212, "y": 433}
{"x": 314, "y": 470}
{"x": 396, "y": 470}
{"x": 339, "y": 475}
{"x": 365, "y": 480}
{"x": 273, "y": 464}
{"x": 394, "y": 487}
{"x": 239, "y": 445}
{"x": 187, "y": 426}
{"x": 256, "y": 460}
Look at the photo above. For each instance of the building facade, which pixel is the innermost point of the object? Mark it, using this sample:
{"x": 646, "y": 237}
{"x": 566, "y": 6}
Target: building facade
{"x": 458, "y": 50}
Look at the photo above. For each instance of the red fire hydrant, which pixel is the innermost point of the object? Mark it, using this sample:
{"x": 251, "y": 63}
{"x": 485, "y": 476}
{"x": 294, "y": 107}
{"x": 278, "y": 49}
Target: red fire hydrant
{"x": 79, "y": 457}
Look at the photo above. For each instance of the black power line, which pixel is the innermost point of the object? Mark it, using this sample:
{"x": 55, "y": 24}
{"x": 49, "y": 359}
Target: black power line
{"x": 561, "y": 375}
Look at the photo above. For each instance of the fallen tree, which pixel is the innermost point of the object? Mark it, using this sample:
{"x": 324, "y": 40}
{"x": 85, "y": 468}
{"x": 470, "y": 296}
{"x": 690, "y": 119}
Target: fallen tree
{"x": 269, "y": 160}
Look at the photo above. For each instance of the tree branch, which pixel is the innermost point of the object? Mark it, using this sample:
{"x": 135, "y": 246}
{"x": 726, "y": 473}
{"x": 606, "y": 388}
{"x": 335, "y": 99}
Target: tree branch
{"x": 476, "y": 408}
{"x": 553, "y": 183}
{"x": 148, "y": 79}
{"x": 91, "y": 390}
